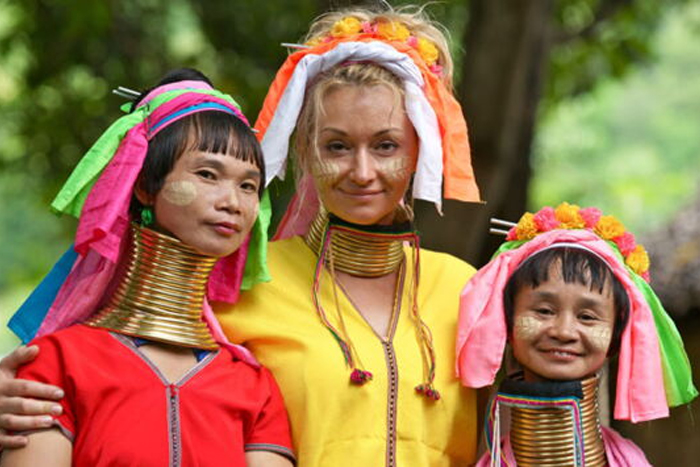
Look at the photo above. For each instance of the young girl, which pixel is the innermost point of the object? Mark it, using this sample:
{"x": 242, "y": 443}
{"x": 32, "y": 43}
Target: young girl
{"x": 149, "y": 378}
{"x": 568, "y": 290}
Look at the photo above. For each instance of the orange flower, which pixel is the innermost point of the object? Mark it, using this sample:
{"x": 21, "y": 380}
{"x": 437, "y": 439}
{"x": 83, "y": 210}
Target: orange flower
{"x": 393, "y": 31}
{"x": 428, "y": 51}
{"x": 608, "y": 227}
{"x": 568, "y": 215}
{"x": 347, "y": 26}
{"x": 526, "y": 228}
{"x": 638, "y": 260}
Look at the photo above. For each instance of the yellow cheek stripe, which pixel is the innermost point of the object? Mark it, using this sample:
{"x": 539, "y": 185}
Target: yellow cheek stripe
{"x": 325, "y": 171}
{"x": 180, "y": 193}
{"x": 526, "y": 327}
{"x": 395, "y": 168}
{"x": 600, "y": 337}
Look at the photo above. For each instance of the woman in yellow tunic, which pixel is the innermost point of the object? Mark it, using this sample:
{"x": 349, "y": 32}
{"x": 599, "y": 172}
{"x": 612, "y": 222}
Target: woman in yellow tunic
{"x": 362, "y": 351}
{"x": 358, "y": 324}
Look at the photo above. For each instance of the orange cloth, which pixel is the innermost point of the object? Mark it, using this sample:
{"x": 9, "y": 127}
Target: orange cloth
{"x": 458, "y": 176}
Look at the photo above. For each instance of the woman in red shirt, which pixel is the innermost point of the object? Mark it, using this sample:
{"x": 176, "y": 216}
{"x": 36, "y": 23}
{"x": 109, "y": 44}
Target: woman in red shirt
{"x": 148, "y": 375}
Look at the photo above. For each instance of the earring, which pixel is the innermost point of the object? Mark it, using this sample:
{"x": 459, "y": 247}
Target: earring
{"x": 146, "y": 216}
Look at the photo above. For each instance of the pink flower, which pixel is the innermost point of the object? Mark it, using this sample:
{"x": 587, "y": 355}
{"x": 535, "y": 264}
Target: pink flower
{"x": 626, "y": 243}
{"x": 591, "y": 216}
{"x": 546, "y": 220}
{"x": 367, "y": 28}
{"x": 646, "y": 276}
{"x": 412, "y": 41}
{"x": 436, "y": 69}
{"x": 512, "y": 234}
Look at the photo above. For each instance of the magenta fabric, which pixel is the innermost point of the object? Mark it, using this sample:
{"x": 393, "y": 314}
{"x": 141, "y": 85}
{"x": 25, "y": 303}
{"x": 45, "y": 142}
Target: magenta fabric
{"x": 217, "y": 332}
{"x": 225, "y": 280}
{"x": 82, "y": 292}
{"x": 620, "y": 452}
{"x": 301, "y": 211}
{"x": 187, "y": 84}
{"x": 482, "y": 335}
{"x": 104, "y": 223}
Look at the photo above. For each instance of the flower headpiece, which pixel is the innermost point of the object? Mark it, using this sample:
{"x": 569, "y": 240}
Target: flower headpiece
{"x": 444, "y": 160}
{"x": 570, "y": 216}
{"x": 653, "y": 369}
{"x": 99, "y": 193}
{"x": 391, "y": 31}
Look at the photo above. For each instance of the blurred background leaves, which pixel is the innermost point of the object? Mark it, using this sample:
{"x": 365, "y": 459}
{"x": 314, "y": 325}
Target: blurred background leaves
{"x": 596, "y": 102}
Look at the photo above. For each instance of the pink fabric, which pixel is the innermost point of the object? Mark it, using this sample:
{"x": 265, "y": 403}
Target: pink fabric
{"x": 300, "y": 212}
{"x": 482, "y": 335}
{"x": 104, "y": 220}
{"x": 238, "y": 351}
{"x": 187, "y": 84}
{"x": 227, "y": 276}
{"x": 620, "y": 452}
{"x": 82, "y": 292}
{"x": 104, "y": 223}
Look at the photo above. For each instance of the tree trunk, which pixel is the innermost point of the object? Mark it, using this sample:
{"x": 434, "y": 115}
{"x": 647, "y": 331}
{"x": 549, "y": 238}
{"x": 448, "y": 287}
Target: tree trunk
{"x": 507, "y": 46}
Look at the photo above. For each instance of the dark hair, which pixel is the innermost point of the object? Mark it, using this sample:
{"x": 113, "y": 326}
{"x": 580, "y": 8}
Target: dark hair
{"x": 577, "y": 266}
{"x": 209, "y": 131}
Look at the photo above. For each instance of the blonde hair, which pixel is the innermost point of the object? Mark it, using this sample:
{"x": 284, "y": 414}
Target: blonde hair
{"x": 361, "y": 74}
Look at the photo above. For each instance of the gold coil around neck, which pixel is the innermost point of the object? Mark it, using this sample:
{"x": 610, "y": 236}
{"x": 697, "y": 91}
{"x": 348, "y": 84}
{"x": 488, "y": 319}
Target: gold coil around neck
{"x": 161, "y": 292}
{"x": 358, "y": 255}
{"x": 544, "y": 436}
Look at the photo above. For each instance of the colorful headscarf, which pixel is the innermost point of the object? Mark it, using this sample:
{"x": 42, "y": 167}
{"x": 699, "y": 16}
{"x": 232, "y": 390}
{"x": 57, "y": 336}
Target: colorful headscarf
{"x": 653, "y": 369}
{"x": 444, "y": 159}
{"x": 99, "y": 192}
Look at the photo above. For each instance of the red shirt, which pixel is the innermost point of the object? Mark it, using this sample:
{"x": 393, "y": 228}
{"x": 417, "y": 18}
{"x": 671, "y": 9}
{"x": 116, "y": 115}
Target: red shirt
{"x": 120, "y": 410}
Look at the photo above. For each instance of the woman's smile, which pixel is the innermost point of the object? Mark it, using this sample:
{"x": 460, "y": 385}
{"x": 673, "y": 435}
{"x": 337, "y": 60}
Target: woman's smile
{"x": 367, "y": 154}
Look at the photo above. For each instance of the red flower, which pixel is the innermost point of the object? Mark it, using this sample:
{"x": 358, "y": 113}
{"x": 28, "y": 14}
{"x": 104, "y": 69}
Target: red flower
{"x": 626, "y": 243}
{"x": 546, "y": 220}
{"x": 591, "y": 216}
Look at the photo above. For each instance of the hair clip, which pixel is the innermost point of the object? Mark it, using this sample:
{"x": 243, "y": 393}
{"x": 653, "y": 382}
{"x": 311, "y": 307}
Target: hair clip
{"x": 126, "y": 93}
{"x": 290, "y": 45}
{"x": 502, "y": 223}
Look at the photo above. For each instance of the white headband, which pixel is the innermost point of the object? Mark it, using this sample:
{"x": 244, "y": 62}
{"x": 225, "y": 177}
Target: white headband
{"x": 427, "y": 184}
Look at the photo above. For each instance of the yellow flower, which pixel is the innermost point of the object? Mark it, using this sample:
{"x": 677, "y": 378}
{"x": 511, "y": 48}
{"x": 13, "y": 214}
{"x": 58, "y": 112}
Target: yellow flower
{"x": 393, "y": 31}
{"x": 638, "y": 260}
{"x": 526, "y": 228}
{"x": 608, "y": 228}
{"x": 428, "y": 51}
{"x": 314, "y": 42}
{"x": 347, "y": 26}
{"x": 569, "y": 216}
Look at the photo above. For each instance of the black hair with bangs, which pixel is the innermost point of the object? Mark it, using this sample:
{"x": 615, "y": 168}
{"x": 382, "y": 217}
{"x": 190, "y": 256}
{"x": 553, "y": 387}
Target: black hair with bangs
{"x": 576, "y": 266}
{"x": 209, "y": 131}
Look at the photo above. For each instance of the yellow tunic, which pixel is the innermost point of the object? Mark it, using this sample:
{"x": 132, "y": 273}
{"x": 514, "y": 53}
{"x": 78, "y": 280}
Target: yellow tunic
{"x": 384, "y": 422}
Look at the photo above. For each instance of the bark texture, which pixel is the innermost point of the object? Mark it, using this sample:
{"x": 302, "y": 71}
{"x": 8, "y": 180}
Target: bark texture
{"x": 507, "y": 49}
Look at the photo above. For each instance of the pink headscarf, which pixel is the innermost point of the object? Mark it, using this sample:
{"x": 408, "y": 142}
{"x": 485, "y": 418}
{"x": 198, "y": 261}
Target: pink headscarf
{"x": 482, "y": 333}
{"x": 104, "y": 221}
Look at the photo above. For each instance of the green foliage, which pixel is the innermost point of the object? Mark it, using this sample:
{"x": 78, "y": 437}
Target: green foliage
{"x": 59, "y": 60}
{"x": 598, "y": 39}
{"x": 630, "y": 147}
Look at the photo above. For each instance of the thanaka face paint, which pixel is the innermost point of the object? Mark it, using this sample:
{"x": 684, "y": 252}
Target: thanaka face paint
{"x": 209, "y": 201}
{"x": 561, "y": 331}
{"x": 180, "y": 193}
{"x": 367, "y": 151}
{"x": 526, "y": 327}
